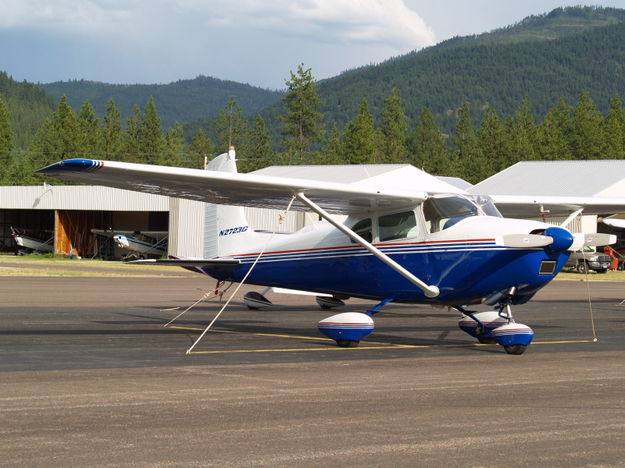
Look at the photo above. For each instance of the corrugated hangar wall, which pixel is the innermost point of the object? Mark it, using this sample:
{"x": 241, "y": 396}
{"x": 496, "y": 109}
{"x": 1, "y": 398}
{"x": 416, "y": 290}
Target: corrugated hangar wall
{"x": 193, "y": 229}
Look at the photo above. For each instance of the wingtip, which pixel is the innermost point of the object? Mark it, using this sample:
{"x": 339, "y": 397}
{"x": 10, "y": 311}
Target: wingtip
{"x": 71, "y": 165}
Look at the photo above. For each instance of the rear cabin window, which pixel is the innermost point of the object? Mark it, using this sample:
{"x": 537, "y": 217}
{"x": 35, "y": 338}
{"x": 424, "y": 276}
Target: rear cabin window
{"x": 397, "y": 226}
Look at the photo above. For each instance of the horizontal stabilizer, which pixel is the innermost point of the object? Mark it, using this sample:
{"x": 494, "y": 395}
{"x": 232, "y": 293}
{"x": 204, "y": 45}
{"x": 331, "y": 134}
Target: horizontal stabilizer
{"x": 299, "y": 292}
{"x": 216, "y": 262}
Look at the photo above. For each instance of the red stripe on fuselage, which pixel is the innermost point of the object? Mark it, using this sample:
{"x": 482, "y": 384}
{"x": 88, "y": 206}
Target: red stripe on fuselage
{"x": 360, "y": 247}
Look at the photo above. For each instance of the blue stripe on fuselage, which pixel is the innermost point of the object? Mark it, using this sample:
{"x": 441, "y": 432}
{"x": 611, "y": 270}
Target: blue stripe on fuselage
{"x": 463, "y": 272}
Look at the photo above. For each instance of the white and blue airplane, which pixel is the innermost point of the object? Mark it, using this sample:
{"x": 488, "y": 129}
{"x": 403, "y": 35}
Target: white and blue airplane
{"x": 408, "y": 238}
{"x": 137, "y": 243}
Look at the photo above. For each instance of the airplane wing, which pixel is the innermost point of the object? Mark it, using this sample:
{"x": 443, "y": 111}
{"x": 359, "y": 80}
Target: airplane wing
{"x": 515, "y": 206}
{"x": 232, "y": 188}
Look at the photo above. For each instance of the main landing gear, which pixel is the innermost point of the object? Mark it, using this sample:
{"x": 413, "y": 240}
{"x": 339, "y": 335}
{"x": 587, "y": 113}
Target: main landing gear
{"x": 498, "y": 326}
{"x": 348, "y": 328}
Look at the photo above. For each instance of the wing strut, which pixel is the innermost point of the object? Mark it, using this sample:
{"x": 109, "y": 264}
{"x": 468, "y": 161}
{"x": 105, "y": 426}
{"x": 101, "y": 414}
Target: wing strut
{"x": 429, "y": 290}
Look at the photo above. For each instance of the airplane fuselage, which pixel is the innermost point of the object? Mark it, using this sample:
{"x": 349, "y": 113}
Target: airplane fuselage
{"x": 466, "y": 261}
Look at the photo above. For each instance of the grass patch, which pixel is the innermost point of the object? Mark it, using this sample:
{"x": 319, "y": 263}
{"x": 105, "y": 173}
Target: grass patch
{"x": 45, "y": 260}
{"x": 57, "y": 272}
{"x": 40, "y": 265}
{"x": 592, "y": 275}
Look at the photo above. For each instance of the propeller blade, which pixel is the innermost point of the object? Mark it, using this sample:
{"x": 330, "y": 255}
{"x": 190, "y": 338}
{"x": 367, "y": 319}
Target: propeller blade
{"x": 526, "y": 240}
{"x": 591, "y": 240}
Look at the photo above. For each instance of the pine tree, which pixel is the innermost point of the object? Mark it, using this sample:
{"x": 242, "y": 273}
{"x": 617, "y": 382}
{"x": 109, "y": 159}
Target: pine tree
{"x": 201, "y": 147}
{"x": 58, "y": 138}
{"x": 174, "y": 147}
{"x": 261, "y": 153}
{"x": 493, "y": 142}
{"x": 334, "y": 151}
{"x": 359, "y": 137}
{"x": 588, "y": 141}
{"x": 232, "y": 129}
{"x": 554, "y": 133}
{"x": 302, "y": 122}
{"x": 468, "y": 162}
{"x": 523, "y": 134}
{"x": 150, "y": 138}
{"x": 112, "y": 132}
{"x": 394, "y": 126}
{"x": 426, "y": 146}
{"x": 6, "y": 142}
{"x": 131, "y": 147}
{"x": 66, "y": 132}
{"x": 614, "y": 130}
{"x": 91, "y": 142}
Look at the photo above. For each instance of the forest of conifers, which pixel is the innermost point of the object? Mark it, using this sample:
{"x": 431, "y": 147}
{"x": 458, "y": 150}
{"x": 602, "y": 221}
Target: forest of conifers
{"x": 468, "y": 107}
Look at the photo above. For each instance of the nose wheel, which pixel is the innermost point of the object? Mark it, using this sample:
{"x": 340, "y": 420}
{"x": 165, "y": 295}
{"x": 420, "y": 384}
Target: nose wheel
{"x": 498, "y": 326}
{"x": 348, "y": 343}
{"x": 515, "y": 349}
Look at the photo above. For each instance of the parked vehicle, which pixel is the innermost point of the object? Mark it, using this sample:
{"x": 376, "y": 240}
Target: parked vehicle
{"x": 587, "y": 259}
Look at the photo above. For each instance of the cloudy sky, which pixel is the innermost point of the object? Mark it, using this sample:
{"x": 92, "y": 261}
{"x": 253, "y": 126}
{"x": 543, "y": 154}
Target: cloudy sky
{"x": 251, "y": 41}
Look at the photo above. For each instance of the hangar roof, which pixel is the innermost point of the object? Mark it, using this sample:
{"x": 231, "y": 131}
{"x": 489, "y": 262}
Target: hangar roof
{"x": 456, "y": 182}
{"x": 79, "y": 197}
{"x": 594, "y": 178}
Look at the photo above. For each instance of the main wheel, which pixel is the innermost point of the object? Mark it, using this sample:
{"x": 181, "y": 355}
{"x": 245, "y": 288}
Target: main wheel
{"x": 515, "y": 349}
{"x": 348, "y": 343}
{"x": 486, "y": 340}
{"x": 582, "y": 268}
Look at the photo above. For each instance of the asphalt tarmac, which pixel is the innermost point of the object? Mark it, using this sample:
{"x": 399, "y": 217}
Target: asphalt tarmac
{"x": 90, "y": 377}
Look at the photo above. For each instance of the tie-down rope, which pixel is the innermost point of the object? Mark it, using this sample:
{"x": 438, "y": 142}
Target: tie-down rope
{"x": 281, "y": 219}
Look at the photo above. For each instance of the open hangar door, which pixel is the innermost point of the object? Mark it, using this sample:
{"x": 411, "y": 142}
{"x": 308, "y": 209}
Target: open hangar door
{"x": 36, "y": 223}
{"x": 74, "y": 236}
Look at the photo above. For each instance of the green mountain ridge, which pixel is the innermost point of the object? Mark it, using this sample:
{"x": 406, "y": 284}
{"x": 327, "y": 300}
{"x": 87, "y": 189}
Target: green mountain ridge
{"x": 558, "y": 23}
{"x": 494, "y": 75}
{"x": 28, "y": 104}
{"x": 180, "y": 101}
{"x": 543, "y": 57}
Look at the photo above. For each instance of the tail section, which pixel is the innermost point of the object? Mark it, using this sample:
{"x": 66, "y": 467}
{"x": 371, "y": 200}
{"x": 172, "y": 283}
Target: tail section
{"x": 226, "y": 230}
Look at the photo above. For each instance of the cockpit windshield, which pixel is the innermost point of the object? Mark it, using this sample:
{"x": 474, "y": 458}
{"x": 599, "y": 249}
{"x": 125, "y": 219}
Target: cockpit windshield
{"x": 444, "y": 210}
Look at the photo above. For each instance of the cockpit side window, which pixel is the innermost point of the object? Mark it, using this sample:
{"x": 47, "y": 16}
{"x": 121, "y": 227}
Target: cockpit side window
{"x": 443, "y": 212}
{"x": 363, "y": 229}
{"x": 397, "y": 226}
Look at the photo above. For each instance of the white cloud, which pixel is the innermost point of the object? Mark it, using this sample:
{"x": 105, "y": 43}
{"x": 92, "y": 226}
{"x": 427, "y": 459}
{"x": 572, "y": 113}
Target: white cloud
{"x": 384, "y": 22}
{"x": 255, "y": 41}
{"x": 85, "y": 16}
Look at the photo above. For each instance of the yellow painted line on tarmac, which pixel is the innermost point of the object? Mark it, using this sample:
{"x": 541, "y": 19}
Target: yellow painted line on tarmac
{"x": 562, "y": 342}
{"x": 282, "y": 350}
{"x": 370, "y": 344}
{"x": 277, "y": 335}
{"x": 274, "y": 335}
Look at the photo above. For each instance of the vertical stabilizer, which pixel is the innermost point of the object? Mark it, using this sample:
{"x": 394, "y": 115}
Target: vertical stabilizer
{"x": 226, "y": 230}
